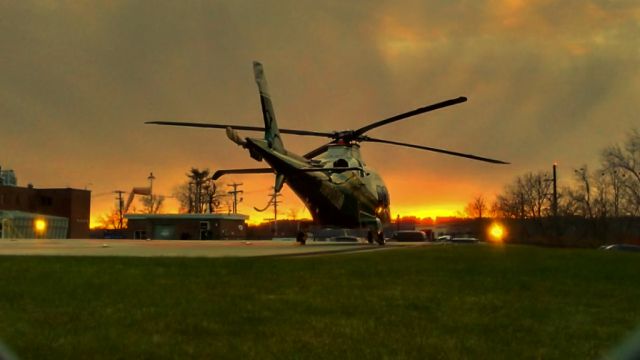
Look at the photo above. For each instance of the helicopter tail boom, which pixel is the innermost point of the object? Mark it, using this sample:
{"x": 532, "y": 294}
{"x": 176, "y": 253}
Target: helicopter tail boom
{"x": 271, "y": 131}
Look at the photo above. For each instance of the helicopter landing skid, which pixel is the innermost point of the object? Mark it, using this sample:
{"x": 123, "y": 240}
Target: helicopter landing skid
{"x": 377, "y": 236}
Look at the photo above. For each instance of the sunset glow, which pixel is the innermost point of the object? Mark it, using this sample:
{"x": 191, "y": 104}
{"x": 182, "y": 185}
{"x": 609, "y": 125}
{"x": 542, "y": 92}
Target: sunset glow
{"x": 427, "y": 211}
{"x": 433, "y": 212}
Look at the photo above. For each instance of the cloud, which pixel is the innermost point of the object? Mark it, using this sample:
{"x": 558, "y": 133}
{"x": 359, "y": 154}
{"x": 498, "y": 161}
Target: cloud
{"x": 546, "y": 80}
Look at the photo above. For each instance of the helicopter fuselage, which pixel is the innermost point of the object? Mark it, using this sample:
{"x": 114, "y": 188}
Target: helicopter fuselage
{"x": 350, "y": 198}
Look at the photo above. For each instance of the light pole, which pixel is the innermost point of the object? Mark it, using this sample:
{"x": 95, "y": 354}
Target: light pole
{"x": 555, "y": 192}
{"x": 151, "y": 178}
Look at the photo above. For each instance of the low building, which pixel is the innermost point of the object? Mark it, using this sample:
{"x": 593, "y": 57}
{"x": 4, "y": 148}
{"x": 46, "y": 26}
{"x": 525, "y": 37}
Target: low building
{"x": 187, "y": 226}
{"x": 71, "y": 204}
{"x": 23, "y": 225}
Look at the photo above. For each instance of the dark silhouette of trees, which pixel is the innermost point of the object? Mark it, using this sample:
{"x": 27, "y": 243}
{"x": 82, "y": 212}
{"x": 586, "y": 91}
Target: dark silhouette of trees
{"x": 528, "y": 197}
{"x": 622, "y": 166}
{"x": 613, "y": 190}
{"x": 198, "y": 195}
{"x": 600, "y": 206}
{"x": 582, "y": 194}
{"x": 152, "y": 204}
{"x": 476, "y": 208}
{"x": 110, "y": 220}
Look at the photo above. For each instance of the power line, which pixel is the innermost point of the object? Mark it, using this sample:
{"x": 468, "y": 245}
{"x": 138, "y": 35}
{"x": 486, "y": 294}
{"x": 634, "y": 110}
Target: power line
{"x": 101, "y": 194}
{"x": 273, "y": 201}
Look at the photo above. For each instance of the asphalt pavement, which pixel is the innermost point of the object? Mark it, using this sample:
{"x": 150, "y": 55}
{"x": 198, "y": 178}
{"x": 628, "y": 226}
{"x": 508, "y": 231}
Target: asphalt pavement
{"x": 182, "y": 248}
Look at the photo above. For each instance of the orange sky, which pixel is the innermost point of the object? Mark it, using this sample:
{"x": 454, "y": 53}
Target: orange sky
{"x": 419, "y": 196}
{"x": 546, "y": 81}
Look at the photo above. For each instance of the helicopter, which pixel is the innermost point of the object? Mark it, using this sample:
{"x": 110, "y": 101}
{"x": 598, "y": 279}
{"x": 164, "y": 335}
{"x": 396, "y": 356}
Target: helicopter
{"x": 332, "y": 180}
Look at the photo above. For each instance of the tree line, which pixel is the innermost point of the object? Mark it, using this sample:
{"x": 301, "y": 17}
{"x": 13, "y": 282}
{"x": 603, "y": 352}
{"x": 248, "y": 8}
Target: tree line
{"x": 611, "y": 190}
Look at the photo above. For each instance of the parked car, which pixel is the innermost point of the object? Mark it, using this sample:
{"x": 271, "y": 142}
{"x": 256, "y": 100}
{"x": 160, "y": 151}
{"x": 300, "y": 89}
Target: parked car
{"x": 464, "y": 240}
{"x": 346, "y": 238}
{"x": 444, "y": 238}
{"x": 409, "y": 235}
{"x": 621, "y": 247}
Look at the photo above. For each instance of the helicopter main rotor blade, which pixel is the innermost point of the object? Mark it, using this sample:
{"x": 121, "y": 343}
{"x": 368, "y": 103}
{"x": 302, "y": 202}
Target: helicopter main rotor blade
{"x": 442, "y": 151}
{"x": 241, "y": 127}
{"x": 220, "y": 173}
{"x": 402, "y": 116}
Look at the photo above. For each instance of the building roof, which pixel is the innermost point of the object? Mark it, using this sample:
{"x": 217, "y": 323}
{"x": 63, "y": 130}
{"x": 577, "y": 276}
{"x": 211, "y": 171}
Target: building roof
{"x": 187, "y": 216}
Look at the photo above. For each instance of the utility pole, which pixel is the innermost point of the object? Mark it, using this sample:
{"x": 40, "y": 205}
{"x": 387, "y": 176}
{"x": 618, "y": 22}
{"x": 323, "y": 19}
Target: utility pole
{"x": 120, "y": 207}
{"x": 555, "y": 191}
{"x": 151, "y": 178}
{"x": 151, "y": 202}
{"x": 235, "y": 193}
{"x": 275, "y": 202}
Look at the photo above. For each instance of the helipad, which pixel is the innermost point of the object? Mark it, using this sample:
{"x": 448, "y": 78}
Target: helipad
{"x": 180, "y": 248}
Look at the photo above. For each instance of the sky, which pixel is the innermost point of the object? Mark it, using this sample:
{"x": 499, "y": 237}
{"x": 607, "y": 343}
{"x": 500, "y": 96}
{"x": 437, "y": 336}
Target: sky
{"x": 547, "y": 81}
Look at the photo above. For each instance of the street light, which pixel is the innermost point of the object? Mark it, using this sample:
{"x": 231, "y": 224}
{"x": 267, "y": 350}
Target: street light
{"x": 497, "y": 232}
{"x": 40, "y": 227}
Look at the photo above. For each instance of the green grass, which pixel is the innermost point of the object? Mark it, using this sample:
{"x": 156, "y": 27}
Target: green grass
{"x": 437, "y": 302}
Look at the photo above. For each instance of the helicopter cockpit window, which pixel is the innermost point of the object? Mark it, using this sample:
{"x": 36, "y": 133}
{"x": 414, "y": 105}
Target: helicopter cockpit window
{"x": 340, "y": 163}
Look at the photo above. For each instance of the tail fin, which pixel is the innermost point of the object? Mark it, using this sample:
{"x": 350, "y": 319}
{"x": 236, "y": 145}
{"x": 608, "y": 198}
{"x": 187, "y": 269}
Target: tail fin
{"x": 271, "y": 132}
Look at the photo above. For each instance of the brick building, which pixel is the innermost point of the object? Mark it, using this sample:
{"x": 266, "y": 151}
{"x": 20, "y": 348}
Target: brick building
{"x": 72, "y": 204}
{"x": 187, "y": 226}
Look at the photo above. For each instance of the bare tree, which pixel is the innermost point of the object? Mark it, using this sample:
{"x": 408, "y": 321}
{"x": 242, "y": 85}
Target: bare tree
{"x": 182, "y": 194}
{"x": 510, "y": 204}
{"x": 582, "y": 195}
{"x": 567, "y": 204}
{"x": 111, "y": 220}
{"x": 198, "y": 179}
{"x": 211, "y": 199}
{"x": 612, "y": 181}
{"x": 623, "y": 162}
{"x": 198, "y": 194}
{"x": 527, "y": 197}
{"x": 611, "y": 191}
{"x": 476, "y": 207}
{"x": 152, "y": 204}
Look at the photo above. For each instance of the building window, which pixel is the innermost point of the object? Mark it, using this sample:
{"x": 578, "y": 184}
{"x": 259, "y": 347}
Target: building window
{"x": 46, "y": 201}
{"x": 205, "y": 233}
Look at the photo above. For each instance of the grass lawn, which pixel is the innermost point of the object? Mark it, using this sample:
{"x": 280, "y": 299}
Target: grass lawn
{"x": 435, "y": 302}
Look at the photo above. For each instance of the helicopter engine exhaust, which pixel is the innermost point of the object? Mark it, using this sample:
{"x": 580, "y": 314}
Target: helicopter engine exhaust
{"x": 235, "y": 137}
